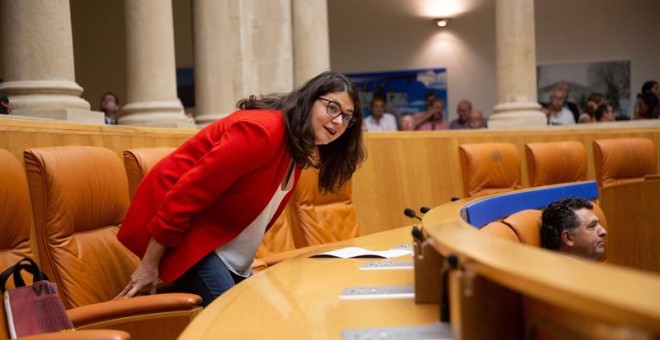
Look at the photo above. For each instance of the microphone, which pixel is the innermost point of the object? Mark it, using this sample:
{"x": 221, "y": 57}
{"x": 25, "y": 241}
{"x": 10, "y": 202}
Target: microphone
{"x": 424, "y": 209}
{"x": 411, "y": 213}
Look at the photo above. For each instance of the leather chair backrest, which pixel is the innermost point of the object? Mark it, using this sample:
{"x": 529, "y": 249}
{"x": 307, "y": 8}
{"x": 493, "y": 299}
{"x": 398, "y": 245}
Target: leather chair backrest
{"x": 527, "y": 226}
{"x": 139, "y": 161}
{"x": 15, "y": 221}
{"x": 556, "y": 162}
{"x": 279, "y": 238}
{"x": 499, "y": 230}
{"x": 79, "y": 198}
{"x": 523, "y": 226}
{"x": 321, "y": 218}
{"x": 15, "y": 212}
{"x": 624, "y": 160}
{"x": 489, "y": 168}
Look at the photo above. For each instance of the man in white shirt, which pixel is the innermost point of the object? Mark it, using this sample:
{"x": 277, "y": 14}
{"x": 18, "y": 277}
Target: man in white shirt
{"x": 379, "y": 119}
{"x": 558, "y": 114}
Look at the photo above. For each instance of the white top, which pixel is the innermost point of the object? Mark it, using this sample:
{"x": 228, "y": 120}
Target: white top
{"x": 238, "y": 253}
{"x": 387, "y": 123}
{"x": 564, "y": 117}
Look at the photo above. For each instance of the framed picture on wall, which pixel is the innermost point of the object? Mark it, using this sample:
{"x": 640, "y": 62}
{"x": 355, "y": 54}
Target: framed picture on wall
{"x": 405, "y": 90}
{"x": 611, "y": 78}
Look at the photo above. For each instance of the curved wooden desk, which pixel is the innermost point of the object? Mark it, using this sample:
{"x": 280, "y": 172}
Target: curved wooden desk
{"x": 511, "y": 289}
{"x": 299, "y": 298}
{"x": 500, "y": 289}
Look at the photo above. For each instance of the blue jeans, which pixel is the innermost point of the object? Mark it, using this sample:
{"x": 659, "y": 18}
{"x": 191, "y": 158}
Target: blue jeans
{"x": 209, "y": 278}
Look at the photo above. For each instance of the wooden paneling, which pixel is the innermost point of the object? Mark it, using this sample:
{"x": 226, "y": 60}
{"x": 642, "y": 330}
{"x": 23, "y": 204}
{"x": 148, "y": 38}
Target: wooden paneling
{"x": 411, "y": 169}
{"x": 633, "y": 217}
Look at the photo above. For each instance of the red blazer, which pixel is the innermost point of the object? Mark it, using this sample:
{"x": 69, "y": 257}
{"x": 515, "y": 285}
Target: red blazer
{"x": 209, "y": 189}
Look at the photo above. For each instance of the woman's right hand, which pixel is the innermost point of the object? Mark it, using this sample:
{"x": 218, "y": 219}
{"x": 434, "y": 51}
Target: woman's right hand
{"x": 144, "y": 278}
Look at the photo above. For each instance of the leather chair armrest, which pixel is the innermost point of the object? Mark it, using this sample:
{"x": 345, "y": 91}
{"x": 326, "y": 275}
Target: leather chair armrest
{"x": 146, "y": 304}
{"x": 285, "y": 255}
{"x": 95, "y": 334}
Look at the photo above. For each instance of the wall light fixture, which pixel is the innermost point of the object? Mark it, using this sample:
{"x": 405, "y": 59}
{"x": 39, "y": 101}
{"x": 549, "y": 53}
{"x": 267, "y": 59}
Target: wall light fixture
{"x": 441, "y": 22}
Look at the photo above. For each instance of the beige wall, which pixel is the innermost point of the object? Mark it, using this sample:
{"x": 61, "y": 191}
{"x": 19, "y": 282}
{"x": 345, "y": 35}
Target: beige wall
{"x": 99, "y": 45}
{"x": 380, "y": 35}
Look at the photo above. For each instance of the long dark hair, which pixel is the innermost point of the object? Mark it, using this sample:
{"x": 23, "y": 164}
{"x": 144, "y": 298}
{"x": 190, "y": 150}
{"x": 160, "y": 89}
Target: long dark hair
{"x": 336, "y": 161}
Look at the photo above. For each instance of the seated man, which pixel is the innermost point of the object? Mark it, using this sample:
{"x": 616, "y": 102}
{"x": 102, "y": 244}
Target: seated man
{"x": 570, "y": 226}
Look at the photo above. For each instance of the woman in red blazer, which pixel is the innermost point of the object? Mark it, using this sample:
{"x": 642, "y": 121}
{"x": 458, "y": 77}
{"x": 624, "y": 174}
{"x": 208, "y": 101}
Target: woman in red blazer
{"x": 199, "y": 215}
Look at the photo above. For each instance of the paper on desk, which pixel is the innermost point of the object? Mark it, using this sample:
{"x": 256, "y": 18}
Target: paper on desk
{"x": 354, "y": 252}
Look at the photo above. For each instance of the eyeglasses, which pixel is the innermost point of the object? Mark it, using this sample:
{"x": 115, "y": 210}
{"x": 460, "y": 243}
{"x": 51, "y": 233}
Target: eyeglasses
{"x": 333, "y": 109}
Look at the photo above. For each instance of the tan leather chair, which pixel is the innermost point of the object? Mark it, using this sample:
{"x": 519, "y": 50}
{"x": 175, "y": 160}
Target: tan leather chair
{"x": 139, "y": 161}
{"x": 556, "y": 162}
{"x": 310, "y": 220}
{"x": 499, "y": 230}
{"x": 15, "y": 226}
{"x": 624, "y": 160}
{"x": 523, "y": 226}
{"x": 79, "y": 197}
{"x": 489, "y": 168}
{"x": 322, "y": 218}
{"x": 15, "y": 212}
{"x": 527, "y": 226}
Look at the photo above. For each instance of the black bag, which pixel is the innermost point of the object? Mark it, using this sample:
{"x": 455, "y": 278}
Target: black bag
{"x": 32, "y": 309}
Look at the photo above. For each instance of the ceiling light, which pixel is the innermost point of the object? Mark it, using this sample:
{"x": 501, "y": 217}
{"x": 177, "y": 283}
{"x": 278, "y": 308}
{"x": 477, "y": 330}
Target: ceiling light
{"x": 441, "y": 22}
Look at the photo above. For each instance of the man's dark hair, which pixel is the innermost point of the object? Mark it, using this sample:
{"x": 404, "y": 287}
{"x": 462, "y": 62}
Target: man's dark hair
{"x": 558, "y": 216}
{"x": 379, "y": 96}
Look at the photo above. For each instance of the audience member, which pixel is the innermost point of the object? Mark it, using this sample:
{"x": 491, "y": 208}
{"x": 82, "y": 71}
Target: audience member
{"x": 433, "y": 118}
{"x": 407, "y": 123}
{"x": 557, "y": 113}
{"x": 566, "y": 87}
{"x": 110, "y": 107}
{"x": 199, "y": 215}
{"x": 476, "y": 120}
{"x": 4, "y": 104}
{"x": 648, "y": 107}
{"x": 604, "y": 113}
{"x": 379, "y": 120}
{"x": 594, "y": 100}
{"x": 570, "y": 226}
{"x": 649, "y": 87}
{"x": 463, "y": 109}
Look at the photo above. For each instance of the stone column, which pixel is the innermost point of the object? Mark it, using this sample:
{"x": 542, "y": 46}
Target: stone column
{"x": 242, "y": 48}
{"x": 151, "y": 80}
{"x": 516, "y": 67}
{"x": 311, "y": 41}
{"x": 270, "y": 49}
{"x": 215, "y": 51}
{"x": 37, "y": 56}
